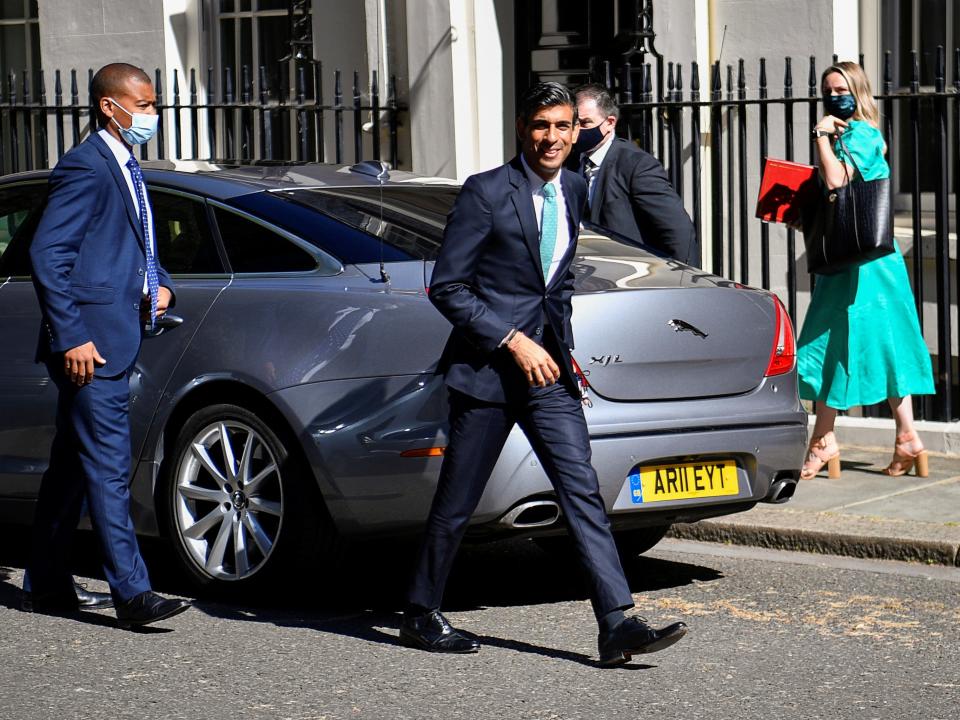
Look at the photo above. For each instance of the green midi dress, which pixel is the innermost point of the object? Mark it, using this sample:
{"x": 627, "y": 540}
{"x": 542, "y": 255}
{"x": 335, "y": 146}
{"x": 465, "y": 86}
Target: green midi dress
{"x": 861, "y": 342}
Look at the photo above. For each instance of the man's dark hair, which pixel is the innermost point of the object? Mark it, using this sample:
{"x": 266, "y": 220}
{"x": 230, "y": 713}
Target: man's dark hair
{"x": 109, "y": 81}
{"x": 601, "y": 96}
{"x": 547, "y": 94}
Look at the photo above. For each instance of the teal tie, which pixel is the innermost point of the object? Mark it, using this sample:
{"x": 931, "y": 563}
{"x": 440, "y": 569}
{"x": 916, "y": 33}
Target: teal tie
{"x": 548, "y": 228}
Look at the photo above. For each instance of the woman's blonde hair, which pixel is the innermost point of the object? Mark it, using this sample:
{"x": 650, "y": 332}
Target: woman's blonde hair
{"x": 859, "y": 87}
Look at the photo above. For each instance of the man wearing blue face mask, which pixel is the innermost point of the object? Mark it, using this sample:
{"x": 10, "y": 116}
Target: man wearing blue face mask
{"x": 99, "y": 284}
{"x": 628, "y": 189}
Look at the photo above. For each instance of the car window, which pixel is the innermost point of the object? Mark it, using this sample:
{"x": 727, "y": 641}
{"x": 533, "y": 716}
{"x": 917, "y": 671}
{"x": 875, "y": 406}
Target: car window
{"x": 410, "y": 219}
{"x": 254, "y": 248}
{"x": 185, "y": 243}
{"x": 20, "y": 209}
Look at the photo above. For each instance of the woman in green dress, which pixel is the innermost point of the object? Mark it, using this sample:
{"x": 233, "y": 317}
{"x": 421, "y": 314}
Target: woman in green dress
{"x": 861, "y": 341}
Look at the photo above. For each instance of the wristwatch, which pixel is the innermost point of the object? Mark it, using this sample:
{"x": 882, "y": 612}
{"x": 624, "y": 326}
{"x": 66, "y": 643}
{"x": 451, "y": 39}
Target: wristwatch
{"x": 818, "y": 133}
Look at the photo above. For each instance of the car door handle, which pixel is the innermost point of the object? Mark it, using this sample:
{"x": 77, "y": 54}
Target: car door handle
{"x": 163, "y": 323}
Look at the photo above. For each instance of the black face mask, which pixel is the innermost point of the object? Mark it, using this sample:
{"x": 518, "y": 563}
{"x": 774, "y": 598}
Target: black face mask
{"x": 588, "y": 139}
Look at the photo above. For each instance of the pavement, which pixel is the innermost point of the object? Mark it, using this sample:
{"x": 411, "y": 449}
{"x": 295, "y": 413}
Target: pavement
{"x": 862, "y": 514}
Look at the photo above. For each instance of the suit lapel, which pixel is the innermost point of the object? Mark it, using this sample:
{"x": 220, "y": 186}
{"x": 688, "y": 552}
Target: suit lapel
{"x": 522, "y": 198}
{"x": 121, "y": 182}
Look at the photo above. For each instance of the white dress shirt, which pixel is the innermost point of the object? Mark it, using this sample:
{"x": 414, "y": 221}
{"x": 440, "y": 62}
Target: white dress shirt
{"x": 122, "y": 154}
{"x": 596, "y": 157}
{"x": 563, "y": 224}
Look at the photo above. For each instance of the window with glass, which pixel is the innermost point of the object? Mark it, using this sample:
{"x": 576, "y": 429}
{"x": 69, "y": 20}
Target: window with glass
{"x": 20, "y": 211}
{"x": 255, "y": 33}
{"x": 19, "y": 52}
{"x": 409, "y": 219}
{"x": 185, "y": 244}
{"x": 19, "y": 38}
{"x": 255, "y": 248}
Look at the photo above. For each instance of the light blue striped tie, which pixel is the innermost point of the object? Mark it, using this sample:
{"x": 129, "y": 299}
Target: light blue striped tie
{"x": 548, "y": 228}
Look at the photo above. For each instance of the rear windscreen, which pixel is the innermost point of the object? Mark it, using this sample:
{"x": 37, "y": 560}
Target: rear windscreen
{"x": 410, "y": 219}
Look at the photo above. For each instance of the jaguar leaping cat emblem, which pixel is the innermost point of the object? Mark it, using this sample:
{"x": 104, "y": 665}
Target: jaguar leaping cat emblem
{"x": 684, "y": 326}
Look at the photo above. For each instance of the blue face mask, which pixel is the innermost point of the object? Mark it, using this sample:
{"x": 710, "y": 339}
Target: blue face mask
{"x": 142, "y": 128}
{"x": 840, "y": 106}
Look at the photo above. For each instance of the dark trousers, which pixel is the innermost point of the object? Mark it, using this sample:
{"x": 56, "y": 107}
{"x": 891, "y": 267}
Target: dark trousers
{"x": 552, "y": 419}
{"x": 89, "y": 459}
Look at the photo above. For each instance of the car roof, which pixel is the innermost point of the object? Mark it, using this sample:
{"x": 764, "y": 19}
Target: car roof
{"x": 223, "y": 181}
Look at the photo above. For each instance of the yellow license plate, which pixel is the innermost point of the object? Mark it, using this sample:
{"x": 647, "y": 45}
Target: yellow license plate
{"x": 655, "y": 483}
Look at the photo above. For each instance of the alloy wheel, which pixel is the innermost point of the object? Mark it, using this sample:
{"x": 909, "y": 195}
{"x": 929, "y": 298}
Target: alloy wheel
{"x": 228, "y": 500}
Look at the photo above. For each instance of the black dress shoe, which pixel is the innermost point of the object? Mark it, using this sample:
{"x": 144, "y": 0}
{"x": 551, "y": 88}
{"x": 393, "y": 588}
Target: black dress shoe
{"x": 431, "y": 632}
{"x": 634, "y": 637}
{"x": 148, "y": 607}
{"x": 89, "y": 600}
{"x": 65, "y": 602}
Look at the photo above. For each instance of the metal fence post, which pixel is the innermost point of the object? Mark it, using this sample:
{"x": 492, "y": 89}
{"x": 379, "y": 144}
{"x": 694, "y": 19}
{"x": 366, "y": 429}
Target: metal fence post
{"x": 716, "y": 171}
{"x": 357, "y": 126}
{"x": 788, "y": 146}
{"x": 941, "y": 222}
{"x": 742, "y": 173}
{"x": 695, "y": 141}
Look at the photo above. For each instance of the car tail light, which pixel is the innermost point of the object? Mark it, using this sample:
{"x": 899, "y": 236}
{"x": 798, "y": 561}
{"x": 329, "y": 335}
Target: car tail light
{"x": 783, "y": 354}
{"x": 423, "y": 452}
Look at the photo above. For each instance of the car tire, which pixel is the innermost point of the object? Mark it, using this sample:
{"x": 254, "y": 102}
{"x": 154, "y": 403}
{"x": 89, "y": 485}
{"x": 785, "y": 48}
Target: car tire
{"x": 630, "y": 543}
{"x": 240, "y": 513}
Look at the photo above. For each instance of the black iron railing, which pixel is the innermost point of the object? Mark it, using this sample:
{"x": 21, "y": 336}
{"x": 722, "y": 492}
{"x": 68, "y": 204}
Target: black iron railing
{"x": 744, "y": 130}
{"x": 241, "y": 122}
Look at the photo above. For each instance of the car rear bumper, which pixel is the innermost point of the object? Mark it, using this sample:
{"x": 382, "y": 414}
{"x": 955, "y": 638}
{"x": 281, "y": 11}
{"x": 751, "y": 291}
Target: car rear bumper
{"x": 762, "y": 455}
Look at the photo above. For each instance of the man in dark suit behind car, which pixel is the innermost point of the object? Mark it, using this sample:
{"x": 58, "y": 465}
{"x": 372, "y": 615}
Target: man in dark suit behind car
{"x": 628, "y": 189}
{"x": 503, "y": 280}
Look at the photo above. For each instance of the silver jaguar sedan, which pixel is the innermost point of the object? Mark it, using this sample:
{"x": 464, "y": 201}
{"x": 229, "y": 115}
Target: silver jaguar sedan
{"x": 291, "y": 402}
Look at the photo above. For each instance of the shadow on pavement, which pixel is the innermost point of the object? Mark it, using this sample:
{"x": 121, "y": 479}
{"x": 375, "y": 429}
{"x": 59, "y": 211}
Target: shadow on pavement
{"x": 362, "y": 596}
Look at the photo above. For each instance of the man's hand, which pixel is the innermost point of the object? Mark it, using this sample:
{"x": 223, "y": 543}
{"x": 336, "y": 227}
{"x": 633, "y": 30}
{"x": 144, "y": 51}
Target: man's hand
{"x": 163, "y": 300}
{"x": 535, "y": 362}
{"x": 79, "y": 363}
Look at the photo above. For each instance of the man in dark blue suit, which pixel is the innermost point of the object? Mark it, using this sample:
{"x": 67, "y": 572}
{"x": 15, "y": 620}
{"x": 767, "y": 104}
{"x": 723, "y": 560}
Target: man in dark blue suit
{"x": 503, "y": 279}
{"x": 99, "y": 284}
{"x": 629, "y": 192}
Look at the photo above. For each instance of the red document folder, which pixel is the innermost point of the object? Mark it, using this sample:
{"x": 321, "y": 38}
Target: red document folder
{"x": 784, "y": 189}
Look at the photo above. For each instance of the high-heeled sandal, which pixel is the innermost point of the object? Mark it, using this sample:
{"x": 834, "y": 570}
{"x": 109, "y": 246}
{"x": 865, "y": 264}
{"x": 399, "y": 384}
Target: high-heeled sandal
{"x": 821, "y": 453}
{"x": 903, "y": 460}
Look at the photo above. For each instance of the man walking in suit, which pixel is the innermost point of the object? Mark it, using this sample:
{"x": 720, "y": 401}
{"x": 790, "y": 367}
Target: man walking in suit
{"x": 628, "y": 189}
{"x": 99, "y": 284}
{"x": 503, "y": 279}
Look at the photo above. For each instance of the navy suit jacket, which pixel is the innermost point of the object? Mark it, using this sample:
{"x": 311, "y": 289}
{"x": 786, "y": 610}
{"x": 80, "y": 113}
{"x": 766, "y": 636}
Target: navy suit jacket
{"x": 632, "y": 196}
{"x": 89, "y": 260}
{"x": 488, "y": 279}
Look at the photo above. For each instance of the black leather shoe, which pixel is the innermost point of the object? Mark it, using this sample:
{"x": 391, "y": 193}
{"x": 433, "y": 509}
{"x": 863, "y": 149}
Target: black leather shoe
{"x": 431, "y": 632}
{"x": 65, "y": 602}
{"x": 634, "y": 637}
{"x": 90, "y": 600}
{"x": 148, "y": 607}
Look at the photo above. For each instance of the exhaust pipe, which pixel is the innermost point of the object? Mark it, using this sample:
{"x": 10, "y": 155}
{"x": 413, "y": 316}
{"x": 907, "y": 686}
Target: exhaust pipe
{"x": 781, "y": 490}
{"x": 532, "y": 514}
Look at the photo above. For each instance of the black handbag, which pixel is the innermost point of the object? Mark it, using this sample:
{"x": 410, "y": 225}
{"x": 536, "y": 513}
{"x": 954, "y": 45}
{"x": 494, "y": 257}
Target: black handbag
{"x": 849, "y": 225}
